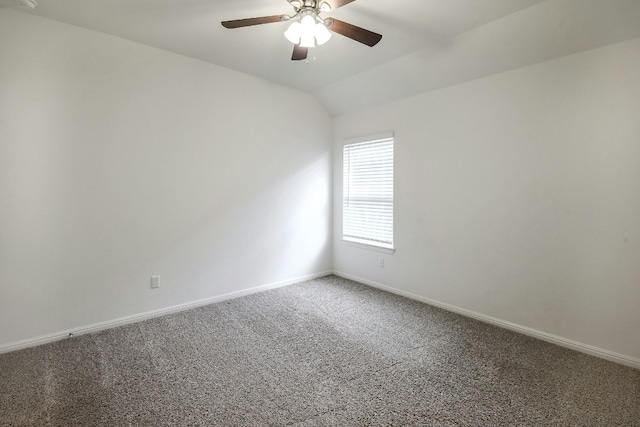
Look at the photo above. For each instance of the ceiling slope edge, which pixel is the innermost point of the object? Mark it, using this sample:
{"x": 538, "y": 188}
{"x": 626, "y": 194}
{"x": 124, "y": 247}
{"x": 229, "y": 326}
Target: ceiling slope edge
{"x": 540, "y": 33}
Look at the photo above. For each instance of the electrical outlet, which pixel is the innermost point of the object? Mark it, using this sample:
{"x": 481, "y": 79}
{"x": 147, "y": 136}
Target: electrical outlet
{"x": 155, "y": 282}
{"x": 381, "y": 262}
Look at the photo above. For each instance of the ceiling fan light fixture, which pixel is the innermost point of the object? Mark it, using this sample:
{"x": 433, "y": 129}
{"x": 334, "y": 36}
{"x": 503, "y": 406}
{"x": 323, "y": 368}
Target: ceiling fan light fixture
{"x": 307, "y": 40}
{"x": 308, "y": 23}
{"x": 321, "y": 33}
{"x": 294, "y": 32}
{"x": 325, "y": 7}
{"x": 306, "y": 32}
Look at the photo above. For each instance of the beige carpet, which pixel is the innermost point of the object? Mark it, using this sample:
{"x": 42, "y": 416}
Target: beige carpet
{"x": 327, "y": 352}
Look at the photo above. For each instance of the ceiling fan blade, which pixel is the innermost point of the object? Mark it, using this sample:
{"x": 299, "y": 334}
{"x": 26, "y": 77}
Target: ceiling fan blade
{"x": 299, "y": 53}
{"x": 353, "y": 32}
{"x": 338, "y": 3}
{"x": 254, "y": 21}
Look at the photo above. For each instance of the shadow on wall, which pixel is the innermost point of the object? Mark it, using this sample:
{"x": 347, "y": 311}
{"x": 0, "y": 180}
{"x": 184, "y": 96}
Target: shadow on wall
{"x": 308, "y": 228}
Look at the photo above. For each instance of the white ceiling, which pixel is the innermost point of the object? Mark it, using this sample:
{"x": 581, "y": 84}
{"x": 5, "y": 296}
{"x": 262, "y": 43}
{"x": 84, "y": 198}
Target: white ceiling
{"x": 427, "y": 44}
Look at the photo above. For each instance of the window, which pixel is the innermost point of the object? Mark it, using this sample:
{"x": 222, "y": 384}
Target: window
{"x": 368, "y": 192}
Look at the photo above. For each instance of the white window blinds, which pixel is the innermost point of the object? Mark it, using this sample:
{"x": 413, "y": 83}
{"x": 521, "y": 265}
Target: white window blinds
{"x": 368, "y": 192}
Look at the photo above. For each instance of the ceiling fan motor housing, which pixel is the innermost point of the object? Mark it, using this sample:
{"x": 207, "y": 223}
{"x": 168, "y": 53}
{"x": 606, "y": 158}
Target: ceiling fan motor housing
{"x": 313, "y": 5}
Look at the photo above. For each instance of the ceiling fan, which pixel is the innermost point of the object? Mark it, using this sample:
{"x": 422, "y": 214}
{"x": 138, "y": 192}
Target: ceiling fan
{"x": 309, "y": 28}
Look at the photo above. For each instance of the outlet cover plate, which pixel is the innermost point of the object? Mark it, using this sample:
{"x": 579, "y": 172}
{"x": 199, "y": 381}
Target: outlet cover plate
{"x": 155, "y": 282}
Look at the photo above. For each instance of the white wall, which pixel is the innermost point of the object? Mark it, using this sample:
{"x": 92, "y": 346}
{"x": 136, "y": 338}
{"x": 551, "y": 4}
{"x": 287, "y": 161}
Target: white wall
{"x": 517, "y": 196}
{"x": 120, "y": 161}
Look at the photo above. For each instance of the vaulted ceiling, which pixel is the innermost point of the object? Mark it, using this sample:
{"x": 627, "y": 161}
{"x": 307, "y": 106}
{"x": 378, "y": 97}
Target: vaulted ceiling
{"x": 426, "y": 45}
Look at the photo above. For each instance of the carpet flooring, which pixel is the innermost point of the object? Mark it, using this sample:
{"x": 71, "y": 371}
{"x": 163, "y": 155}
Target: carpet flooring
{"x": 327, "y": 352}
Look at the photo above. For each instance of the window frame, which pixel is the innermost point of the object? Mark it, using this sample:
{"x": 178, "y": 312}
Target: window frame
{"x": 364, "y": 243}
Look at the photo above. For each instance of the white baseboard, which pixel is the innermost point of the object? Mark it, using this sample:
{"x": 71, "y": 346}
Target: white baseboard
{"x": 544, "y": 336}
{"x": 56, "y": 336}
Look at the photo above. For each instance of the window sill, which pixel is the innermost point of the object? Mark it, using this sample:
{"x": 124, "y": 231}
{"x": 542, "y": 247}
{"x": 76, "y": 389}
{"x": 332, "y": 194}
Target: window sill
{"x": 368, "y": 247}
